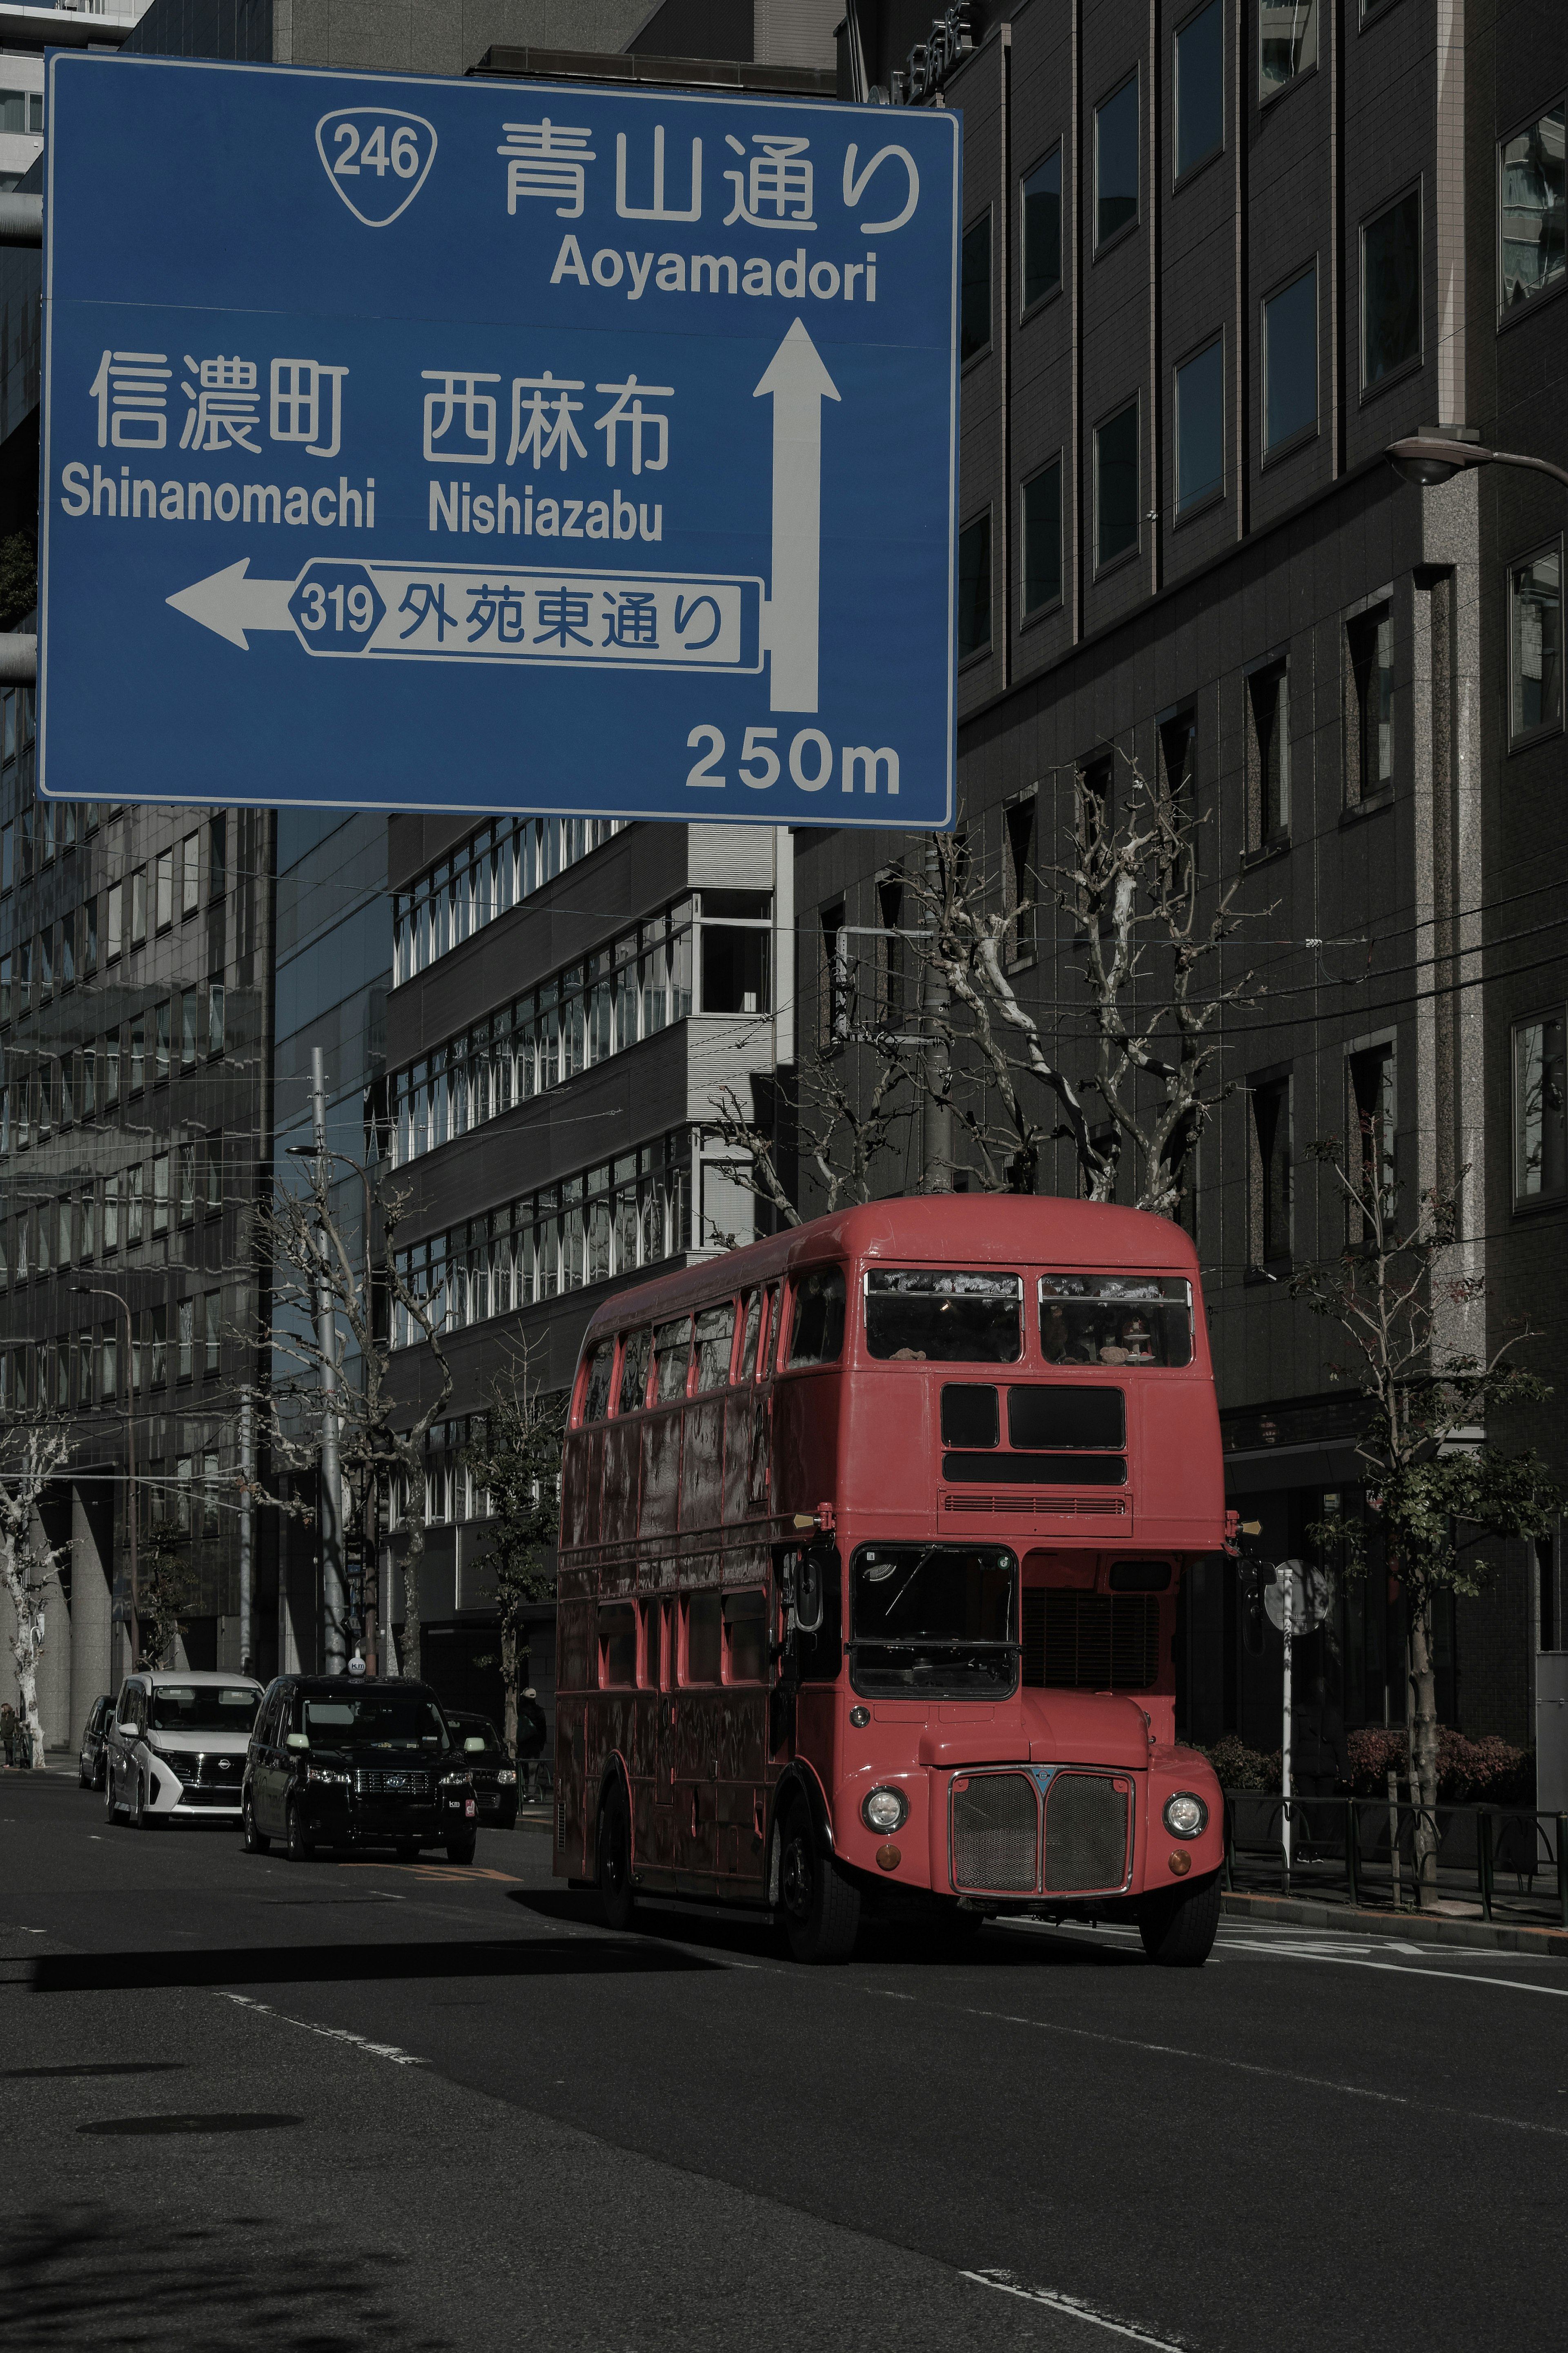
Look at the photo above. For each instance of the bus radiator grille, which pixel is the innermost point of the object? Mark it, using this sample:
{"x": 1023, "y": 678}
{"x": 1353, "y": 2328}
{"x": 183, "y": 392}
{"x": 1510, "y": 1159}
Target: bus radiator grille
{"x": 996, "y": 1832}
{"x": 1086, "y": 1834}
{"x": 1033, "y": 1507}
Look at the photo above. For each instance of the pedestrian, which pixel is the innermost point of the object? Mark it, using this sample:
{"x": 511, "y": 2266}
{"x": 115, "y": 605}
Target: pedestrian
{"x": 12, "y": 1734}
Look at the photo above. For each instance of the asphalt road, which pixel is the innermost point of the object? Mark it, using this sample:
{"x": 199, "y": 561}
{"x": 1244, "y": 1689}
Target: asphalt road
{"x": 329, "y": 2106}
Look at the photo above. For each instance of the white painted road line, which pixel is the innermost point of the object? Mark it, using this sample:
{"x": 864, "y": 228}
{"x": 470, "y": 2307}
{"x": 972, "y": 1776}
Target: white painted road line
{"x": 1074, "y": 2306}
{"x": 1394, "y": 1969}
{"x": 393, "y": 2050}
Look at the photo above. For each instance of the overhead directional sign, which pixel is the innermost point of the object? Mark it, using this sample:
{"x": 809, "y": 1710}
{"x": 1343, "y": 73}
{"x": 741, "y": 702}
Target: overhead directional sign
{"x": 413, "y": 443}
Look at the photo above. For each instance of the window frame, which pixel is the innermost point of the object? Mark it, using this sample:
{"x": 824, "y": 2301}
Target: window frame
{"x": 1133, "y": 81}
{"x": 1258, "y": 1265}
{"x": 1529, "y": 1205}
{"x": 1524, "y": 740}
{"x": 1273, "y": 666}
{"x": 1030, "y": 306}
{"x": 980, "y": 651}
{"x": 1182, "y": 515}
{"x": 984, "y": 218}
{"x": 1104, "y": 567}
{"x": 1270, "y": 454}
{"x": 1028, "y": 615}
{"x": 1416, "y": 188}
{"x": 1355, "y": 793}
{"x": 1302, "y": 74}
{"x": 1508, "y": 312}
{"x": 1182, "y": 175}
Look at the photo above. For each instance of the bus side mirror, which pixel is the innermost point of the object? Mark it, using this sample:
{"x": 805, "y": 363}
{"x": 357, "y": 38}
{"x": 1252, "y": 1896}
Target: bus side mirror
{"x": 808, "y": 1596}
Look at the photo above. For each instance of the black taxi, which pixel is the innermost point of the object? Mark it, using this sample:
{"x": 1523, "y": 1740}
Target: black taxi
{"x": 347, "y": 1761}
{"x": 489, "y": 1762}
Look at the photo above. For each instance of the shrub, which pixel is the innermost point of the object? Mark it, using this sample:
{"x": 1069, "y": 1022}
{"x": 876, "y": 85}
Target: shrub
{"x": 1486, "y": 1772}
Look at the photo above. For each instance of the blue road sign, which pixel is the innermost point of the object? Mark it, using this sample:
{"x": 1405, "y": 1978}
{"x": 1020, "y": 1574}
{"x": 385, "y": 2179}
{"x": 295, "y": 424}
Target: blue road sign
{"x": 412, "y": 443}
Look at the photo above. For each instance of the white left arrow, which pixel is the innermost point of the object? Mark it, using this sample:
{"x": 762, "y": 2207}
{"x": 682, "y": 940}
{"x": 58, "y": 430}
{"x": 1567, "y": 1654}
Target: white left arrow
{"x": 229, "y": 603}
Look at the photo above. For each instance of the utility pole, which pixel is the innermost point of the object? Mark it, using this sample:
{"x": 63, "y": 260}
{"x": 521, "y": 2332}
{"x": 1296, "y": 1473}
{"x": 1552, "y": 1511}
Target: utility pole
{"x": 247, "y": 1522}
{"x": 331, "y": 1507}
{"x": 936, "y": 1114}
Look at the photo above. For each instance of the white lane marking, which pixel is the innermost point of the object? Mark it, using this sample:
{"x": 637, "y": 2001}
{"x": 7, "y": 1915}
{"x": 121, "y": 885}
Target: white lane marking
{"x": 393, "y": 2050}
{"x": 1395, "y": 1968}
{"x": 1075, "y": 2308}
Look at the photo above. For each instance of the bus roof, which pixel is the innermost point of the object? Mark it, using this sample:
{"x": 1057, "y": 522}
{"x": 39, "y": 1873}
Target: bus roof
{"x": 945, "y": 1229}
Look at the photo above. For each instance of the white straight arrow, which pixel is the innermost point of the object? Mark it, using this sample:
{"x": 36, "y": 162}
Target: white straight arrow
{"x": 799, "y": 384}
{"x": 229, "y": 603}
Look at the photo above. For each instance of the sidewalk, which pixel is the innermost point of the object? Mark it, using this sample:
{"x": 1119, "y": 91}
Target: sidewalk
{"x": 1413, "y": 1927}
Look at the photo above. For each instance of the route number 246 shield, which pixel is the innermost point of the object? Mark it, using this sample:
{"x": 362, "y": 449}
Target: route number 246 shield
{"x": 377, "y": 160}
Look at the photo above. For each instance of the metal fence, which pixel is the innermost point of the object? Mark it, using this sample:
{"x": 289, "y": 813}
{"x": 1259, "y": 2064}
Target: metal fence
{"x": 1504, "y": 1862}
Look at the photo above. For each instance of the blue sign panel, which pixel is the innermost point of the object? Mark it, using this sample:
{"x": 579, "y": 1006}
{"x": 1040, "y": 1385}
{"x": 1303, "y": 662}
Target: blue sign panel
{"x": 413, "y": 443}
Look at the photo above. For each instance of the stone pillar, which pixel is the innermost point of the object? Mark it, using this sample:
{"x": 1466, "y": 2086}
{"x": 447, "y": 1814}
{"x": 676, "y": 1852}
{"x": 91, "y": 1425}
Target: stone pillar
{"x": 55, "y": 1659}
{"x": 90, "y": 1667}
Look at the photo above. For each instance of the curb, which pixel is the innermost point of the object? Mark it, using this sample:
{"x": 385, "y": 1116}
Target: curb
{"x": 1415, "y": 1927}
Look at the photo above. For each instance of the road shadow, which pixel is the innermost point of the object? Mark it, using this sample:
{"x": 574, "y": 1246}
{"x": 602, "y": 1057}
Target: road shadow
{"x": 270, "y": 1965}
{"x": 896, "y": 1944}
{"x": 78, "y": 2276}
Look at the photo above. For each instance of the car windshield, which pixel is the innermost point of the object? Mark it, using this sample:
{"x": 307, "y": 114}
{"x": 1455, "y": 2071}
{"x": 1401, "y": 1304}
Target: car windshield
{"x": 204, "y": 1707}
{"x": 1116, "y": 1319}
{"x": 917, "y": 1313}
{"x": 933, "y": 1618}
{"x": 372, "y": 1722}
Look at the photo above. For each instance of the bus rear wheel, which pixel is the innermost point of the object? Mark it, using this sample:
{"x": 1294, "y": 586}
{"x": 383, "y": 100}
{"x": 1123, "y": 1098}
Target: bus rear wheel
{"x": 614, "y": 1859}
{"x": 821, "y": 1902}
{"x": 1178, "y": 1924}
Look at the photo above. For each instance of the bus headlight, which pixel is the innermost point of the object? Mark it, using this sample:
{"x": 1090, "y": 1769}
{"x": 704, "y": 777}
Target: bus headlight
{"x": 885, "y": 1810}
{"x": 1186, "y": 1816}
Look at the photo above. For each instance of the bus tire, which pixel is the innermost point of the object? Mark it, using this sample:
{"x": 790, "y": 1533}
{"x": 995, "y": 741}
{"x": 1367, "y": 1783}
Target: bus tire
{"x": 614, "y": 1851}
{"x": 821, "y": 1902}
{"x": 1178, "y": 1924}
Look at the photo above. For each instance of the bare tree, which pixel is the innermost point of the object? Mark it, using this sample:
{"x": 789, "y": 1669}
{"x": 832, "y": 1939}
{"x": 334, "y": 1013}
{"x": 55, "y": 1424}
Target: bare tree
{"x": 167, "y": 1587}
{"x": 33, "y": 1446}
{"x": 518, "y": 1463}
{"x": 1435, "y": 1486}
{"x": 1139, "y": 1079}
{"x": 839, "y": 1134}
{"x": 307, "y": 1247}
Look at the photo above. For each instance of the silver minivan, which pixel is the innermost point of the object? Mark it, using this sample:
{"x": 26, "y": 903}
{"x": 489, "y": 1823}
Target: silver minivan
{"x": 175, "y": 1748}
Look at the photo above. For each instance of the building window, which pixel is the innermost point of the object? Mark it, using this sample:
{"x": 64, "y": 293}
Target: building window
{"x": 1369, "y": 714}
{"x": 975, "y": 300}
{"x": 138, "y": 906}
{"x": 1391, "y": 290}
{"x": 1539, "y": 1124}
{"x": 1269, "y": 757}
{"x": 166, "y": 878}
{"x": 218, "y": 855}
{"x": 1371, "y": 1111}
{"x": 1199, "y": 52}
{"x": 1200, "y": 427}
{"x": 1287, "y": 43}
{"x": 1535, "y": 624}
{"x": 1178, "y": 754}
{"x": 1020, "y": 882}
{"x": 1530, "y": 210}
{"x": 212, "y": 1335}
{"x": 114, "y": 921}
{"x": 1291, "y": 362}
{"x": 1116, "y": 503}
{"x": 190, "y": 873}
{"x": 1116, "y": 162}
{"x": 891, "y": 955}
{"x": 1268, "y": 1175}
{"x": 1042, "y": 224}
{"x": 21, "y": 109}
{"x": 1042, "y": 502}
{"x": 974, "y": 587}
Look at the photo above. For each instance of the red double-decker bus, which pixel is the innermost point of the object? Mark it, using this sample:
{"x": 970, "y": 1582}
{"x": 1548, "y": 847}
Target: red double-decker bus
{"x": 871, "y": 1540}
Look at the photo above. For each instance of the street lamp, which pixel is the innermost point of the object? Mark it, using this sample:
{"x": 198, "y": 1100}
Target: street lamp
{"x": 96, "y": 1291}
{"x": 1429, "y": 460}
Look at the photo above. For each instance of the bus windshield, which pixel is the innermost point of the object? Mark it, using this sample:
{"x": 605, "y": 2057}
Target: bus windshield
{"x": 1116, "y": 1319}
{"x": 917, "y": 1313}
{"x": 933, "y": 1618}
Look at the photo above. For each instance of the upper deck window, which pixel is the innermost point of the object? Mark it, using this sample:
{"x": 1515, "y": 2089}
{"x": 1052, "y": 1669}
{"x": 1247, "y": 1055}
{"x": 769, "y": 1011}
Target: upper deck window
{"x": 715, "y": 1339}
{"x": 596, "y": 1387}
{"x": 816, "y": 1333}
{"x": 672, "y": 1355}
{"x": 633, "y": 1371}
{"x": 915, "y": 1314}
{"x": 1116, "y": 1319}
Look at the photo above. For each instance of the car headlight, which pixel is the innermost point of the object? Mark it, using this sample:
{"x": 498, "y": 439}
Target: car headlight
{"x": 326, "y": 1773}
{"x": 885, "y": 1810}
{"x": 1186, "y": 1816}
{"x": 505, "y": 1777}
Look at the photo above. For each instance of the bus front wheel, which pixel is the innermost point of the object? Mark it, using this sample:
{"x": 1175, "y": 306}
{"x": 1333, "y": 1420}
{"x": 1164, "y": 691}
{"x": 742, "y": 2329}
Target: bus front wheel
{"x": 1178, "y": 1924}
{"x": 821, "y": 1902}
{"x": 614, "y": 1859}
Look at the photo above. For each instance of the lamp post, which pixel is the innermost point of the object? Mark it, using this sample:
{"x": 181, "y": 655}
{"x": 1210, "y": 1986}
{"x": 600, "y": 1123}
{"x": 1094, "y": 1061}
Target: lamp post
{"x": 96, "y": 1291}
{"x": 1429, "y": 460}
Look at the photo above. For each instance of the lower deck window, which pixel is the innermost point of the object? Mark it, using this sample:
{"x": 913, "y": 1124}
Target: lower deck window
{"x": 745, "y": 1638}
{"x": 618, "y": 1646}
{"x": 933, "y": 1618}
{"x": 704, "y": 1635}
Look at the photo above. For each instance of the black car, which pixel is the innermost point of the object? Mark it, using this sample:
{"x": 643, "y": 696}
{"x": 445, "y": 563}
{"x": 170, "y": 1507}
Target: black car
{"x": 89, "y": 1764}
{"x": 488, "y": 1760}
{"x": 350, "y": 1761}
